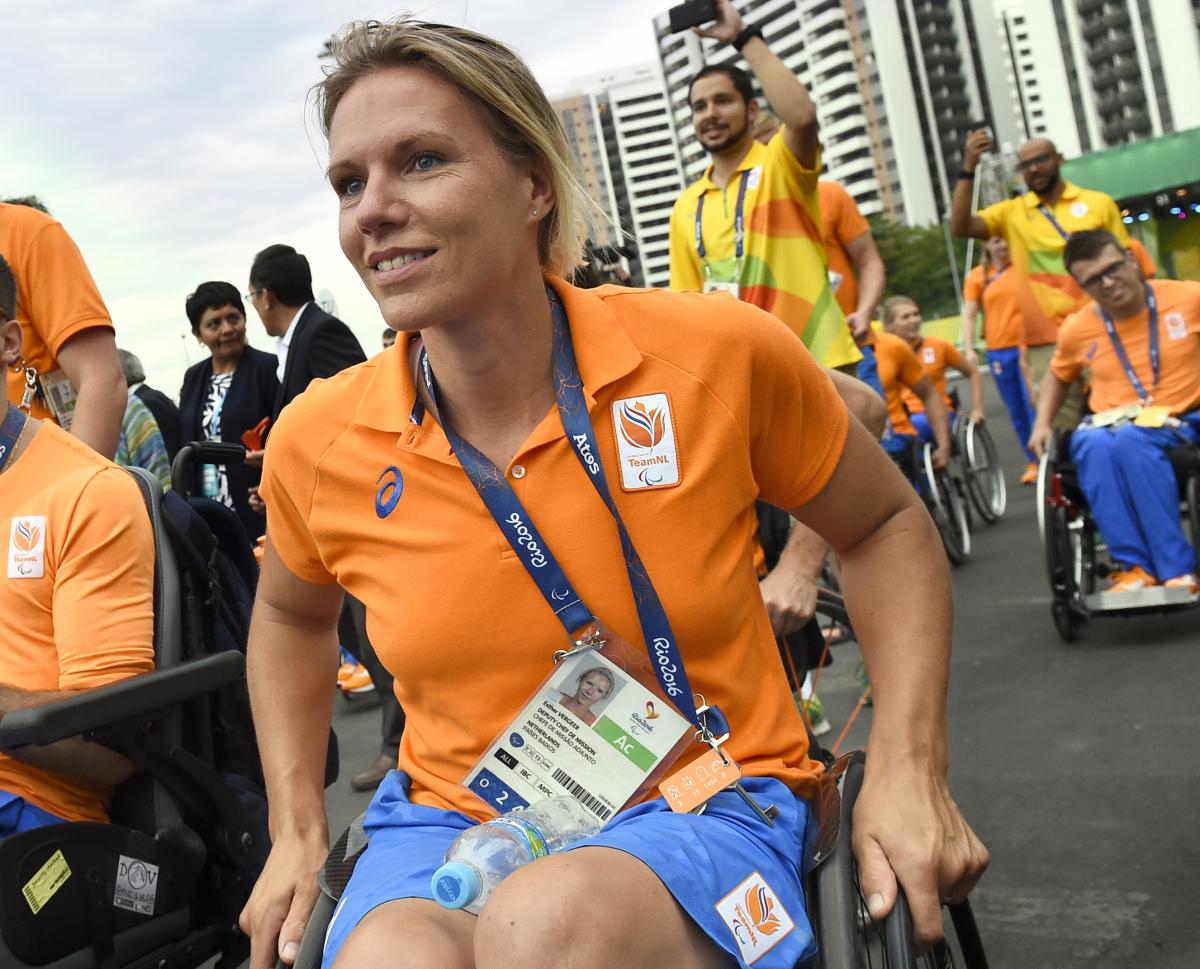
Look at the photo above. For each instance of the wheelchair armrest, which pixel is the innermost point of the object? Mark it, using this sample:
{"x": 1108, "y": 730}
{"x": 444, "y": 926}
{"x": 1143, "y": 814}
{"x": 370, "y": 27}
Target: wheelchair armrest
{"x": 138, "y": 698}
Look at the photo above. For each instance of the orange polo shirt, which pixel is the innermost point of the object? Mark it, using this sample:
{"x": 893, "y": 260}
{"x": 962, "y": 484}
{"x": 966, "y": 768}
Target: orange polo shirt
{"x": 450, "y": 609}
{"x": 1083, "y": 342}
{"x": 1144, "y": 260}
{"x": 83, "y": 616}
{"x": 56, "y": 296}
{"x": 935, "y": 354}
{"x": 899, "y": 369}
{"x": 1011, "y": 316}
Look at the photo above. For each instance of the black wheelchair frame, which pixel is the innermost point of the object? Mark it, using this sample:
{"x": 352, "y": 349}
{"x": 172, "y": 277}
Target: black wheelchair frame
{"x": 1068, "y": 534}
{"x": 185, "y": 823}
{"x": 847, "y": 937}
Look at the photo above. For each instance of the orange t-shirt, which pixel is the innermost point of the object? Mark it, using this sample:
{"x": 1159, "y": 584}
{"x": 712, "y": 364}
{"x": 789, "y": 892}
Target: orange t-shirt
{"x": 841, "y": 224}
{"x": 899, "y": 369}
{"x": 1012, "y": 317}
{"x": 935, "y": 355}
{"x": 56, "y": 296}
{"x": 1083, "y": 342}
{"x": 88, "y": 618}
{"x": 451, "y": 610}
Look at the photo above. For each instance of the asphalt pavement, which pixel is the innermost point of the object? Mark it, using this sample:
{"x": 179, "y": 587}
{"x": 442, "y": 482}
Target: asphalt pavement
{"x": 1072, "y": 761}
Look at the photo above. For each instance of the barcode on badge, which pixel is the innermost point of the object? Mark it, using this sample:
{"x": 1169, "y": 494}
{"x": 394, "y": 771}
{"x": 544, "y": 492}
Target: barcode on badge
{"x": 593, "y": 804}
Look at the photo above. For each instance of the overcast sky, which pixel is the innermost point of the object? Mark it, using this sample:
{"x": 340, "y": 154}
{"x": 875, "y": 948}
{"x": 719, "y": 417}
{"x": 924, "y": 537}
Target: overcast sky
{"x": 173, "y": 139}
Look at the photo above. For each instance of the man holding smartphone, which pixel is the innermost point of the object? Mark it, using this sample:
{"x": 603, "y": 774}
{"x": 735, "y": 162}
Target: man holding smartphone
{"x": 752, "y": 224}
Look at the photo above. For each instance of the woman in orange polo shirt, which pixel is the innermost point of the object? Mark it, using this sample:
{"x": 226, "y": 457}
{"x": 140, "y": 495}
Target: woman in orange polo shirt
{"x": 460, "y": 210}
{"x": 1014, "y": 327}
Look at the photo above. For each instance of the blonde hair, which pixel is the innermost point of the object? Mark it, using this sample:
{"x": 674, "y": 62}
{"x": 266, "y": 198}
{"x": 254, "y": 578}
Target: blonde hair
{"x": 891, "y": 307}
{"x": 767, "y": 120}
{"x": 513, "y": 104}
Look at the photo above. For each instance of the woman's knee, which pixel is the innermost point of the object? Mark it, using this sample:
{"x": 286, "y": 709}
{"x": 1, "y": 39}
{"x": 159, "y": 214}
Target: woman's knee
{"x": 429, "y": 936}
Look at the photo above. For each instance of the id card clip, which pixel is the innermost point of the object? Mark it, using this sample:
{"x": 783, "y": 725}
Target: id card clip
{"x": 593, "y": 638}
{"x": 714, "y": 731}
{"x": 31, "y": 385}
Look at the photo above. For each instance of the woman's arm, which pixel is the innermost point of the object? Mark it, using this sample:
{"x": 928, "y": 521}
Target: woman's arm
{"x": 291, "y": 658}
{"x": 970, "y": 312}
{"x": 907, "y": 826}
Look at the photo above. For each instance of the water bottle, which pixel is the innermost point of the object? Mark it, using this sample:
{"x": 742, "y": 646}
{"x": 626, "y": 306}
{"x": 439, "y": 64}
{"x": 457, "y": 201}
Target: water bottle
{"x": 483, "y": 856}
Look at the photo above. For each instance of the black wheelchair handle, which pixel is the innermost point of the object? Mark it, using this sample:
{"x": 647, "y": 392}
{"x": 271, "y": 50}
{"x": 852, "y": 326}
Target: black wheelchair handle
{"x": 202, "y": 452}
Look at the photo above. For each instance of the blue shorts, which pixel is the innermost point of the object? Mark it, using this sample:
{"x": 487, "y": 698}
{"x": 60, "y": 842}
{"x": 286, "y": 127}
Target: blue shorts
{"x": 712, "y": 863}
{"x": 17, "y": 814}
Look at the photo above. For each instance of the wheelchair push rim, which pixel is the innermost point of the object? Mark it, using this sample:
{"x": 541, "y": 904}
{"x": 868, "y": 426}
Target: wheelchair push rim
{"x": 983, "y": 473}
{"x": 946, "y": 509}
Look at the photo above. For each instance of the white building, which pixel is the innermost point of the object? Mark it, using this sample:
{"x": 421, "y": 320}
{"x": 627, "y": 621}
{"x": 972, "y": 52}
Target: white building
{"x": 897, "y": 85}
{"x": 1090, "y": 74}
{"x": 629, "y": 160}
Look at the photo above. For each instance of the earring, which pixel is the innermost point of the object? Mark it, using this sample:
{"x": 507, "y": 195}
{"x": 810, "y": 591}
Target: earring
{"x": 534, "y": 212}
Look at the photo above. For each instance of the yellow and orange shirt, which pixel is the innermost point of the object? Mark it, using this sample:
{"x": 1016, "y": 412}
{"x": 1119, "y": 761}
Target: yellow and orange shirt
{"x": 56, "y": 295}
{"x": 1011, "y": 316}
{"x": 935, "y": 355}
{"x": 1084, "y": 342}
{"x": 78, "y": 593}
{"x": 784, "y": 269}
{"x": 450, "y": 608}
{"x": 899, "y": 370}
{"x": 1036, "y": 246}
{"x": 841, "y": 224}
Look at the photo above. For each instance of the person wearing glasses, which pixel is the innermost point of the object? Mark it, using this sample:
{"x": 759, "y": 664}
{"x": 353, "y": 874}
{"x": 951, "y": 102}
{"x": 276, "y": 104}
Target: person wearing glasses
{"x": 1036, "y": 227}
{"x": 1141, "y": 341}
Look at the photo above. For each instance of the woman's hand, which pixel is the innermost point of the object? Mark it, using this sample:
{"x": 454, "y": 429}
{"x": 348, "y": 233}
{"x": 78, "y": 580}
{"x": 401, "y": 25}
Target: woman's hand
{"x": 283, "y": 898}
{"x": 908, "y": 829}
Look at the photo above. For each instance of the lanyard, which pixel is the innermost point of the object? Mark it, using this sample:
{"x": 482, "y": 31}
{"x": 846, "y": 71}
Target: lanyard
{"x": 739, "y": 222}
{"x": 1054, "y": 222}
{"x": 994, "y": 276}
{"x": 539, "y": 562}
{"x": 10, "y": 433}
{"x": 1119, "y": 347}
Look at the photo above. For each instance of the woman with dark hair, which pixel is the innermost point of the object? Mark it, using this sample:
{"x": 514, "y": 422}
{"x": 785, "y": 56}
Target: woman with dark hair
{"x": 225, "y": 396}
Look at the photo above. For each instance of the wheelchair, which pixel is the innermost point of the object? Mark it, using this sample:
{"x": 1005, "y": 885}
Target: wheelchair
{"x": 847, "y": 938}
{"x": 162, "y": 884}
{"x": 978, "y": 467}
{"x": 1074, "y": 552}
{"x": 945, "y": 495}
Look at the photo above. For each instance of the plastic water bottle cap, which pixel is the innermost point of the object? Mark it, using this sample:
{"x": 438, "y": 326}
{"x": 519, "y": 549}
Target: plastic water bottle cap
{"x": 456, "y": 884}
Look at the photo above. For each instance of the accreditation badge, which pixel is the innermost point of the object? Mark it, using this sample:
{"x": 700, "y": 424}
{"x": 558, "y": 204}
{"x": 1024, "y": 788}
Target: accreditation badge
{"x": 590, "y": 730}
{"x": 723, "y": 286}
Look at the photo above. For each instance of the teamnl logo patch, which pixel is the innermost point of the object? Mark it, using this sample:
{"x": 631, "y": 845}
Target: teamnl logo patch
{"x": 756, "y": 918}
{"x": 646, "y": 447}
{"x": 27, "y": 547}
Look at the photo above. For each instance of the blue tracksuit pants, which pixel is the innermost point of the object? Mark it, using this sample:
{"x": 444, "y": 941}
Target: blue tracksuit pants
{"x": 868, "y": 370}
{"x": 1010, "y": 382}
{"x": 1129, "y": 483}
{"x": 920, "y": 420}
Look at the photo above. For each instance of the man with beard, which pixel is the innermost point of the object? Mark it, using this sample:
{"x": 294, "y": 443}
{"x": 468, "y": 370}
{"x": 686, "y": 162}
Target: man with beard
{"x": 1036, "y": 227}
{"x": 752, "y": 224}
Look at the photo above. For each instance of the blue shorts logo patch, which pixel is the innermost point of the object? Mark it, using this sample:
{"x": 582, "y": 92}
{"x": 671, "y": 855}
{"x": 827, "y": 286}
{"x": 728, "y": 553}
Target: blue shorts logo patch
{"x": 391, "y": 486}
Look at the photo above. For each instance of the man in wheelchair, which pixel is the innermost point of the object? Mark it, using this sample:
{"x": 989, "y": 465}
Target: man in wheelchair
{"x": 900, "y": 370}
{"x": 902, "y": 318}
{"x": 76, "y": 599}
{"x": 1141, "y": 341}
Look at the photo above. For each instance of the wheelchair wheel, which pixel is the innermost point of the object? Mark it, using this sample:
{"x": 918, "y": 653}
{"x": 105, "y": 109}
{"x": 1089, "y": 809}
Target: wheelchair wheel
{"x": 983, "y": 473}
{"x": 1070, "y": 566}
{"x": 847, "y": 937}
{"x": 947, "y": 508}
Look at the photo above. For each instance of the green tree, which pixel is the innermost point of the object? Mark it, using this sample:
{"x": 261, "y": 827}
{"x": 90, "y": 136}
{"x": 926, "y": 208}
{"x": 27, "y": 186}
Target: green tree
{"x": 918, "y": 265}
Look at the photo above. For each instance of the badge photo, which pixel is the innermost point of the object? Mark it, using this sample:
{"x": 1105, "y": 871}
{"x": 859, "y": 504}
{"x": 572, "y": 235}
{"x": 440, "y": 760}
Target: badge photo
{"x": 645, "y": 433}
{"x": 1176, "y": 326}
{"x": 27, "y": 547}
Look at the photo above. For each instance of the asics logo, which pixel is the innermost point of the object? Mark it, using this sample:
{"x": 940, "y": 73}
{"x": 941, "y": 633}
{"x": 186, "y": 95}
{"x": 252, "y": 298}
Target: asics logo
{"x": 391, "y": 486}
{"x": 525, "y": 539}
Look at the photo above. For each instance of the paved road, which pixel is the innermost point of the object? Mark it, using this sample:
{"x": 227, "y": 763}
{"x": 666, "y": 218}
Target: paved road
{"x": 1071, "y": 761}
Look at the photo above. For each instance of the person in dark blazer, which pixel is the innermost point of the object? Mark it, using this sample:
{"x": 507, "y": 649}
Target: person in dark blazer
{"x": 309, "y": 342}
{"x": 166, "y": 414}
{"x": 227, "y": 395}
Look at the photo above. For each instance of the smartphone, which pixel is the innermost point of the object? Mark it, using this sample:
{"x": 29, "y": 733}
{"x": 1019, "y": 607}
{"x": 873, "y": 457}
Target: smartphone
{"x": 986, "y": 125}
{"x": 693, "y": 13}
